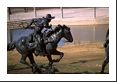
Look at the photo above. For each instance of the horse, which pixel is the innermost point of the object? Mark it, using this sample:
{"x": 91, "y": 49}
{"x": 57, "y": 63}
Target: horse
{"x": 106, "y": 46}
{"x": 61, "y": 31}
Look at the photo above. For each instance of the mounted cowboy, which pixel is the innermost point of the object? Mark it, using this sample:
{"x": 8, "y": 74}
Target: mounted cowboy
{"x": 41, "y": 31}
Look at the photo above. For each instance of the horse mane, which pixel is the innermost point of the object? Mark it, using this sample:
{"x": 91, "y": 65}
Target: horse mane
{"x": 57, "y": 28}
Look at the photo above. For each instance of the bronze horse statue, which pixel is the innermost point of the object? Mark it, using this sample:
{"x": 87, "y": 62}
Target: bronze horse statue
{"x": 106, "y": 46}
{"x": 61, "y": 31}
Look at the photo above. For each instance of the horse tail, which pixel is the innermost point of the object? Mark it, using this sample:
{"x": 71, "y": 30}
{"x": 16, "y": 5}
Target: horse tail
{"x": 11, "y": 46}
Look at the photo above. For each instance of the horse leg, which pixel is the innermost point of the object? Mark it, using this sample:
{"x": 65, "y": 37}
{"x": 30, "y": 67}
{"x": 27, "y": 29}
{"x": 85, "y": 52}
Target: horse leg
{"x": 50, "y": 60}
{"x": 35, "y": 67}
{"x": 61, "y": 54}
{"x": 104, "y": 64}
{"x": 106, "y": 60}
{"x": 23, "y": 59}
{"x": 50, "y": 68}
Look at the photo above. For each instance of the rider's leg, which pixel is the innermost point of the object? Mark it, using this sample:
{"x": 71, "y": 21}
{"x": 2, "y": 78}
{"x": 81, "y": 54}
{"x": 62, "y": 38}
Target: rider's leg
{"x": 42, "y": 45}
{"x": 39, "y": 49}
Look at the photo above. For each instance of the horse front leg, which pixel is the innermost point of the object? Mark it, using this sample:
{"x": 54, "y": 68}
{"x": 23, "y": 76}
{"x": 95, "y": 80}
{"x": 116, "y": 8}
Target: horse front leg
{"x": 35, "y": 67}
{"x": 61, "y": 54}
{"x": 50, "y": 61}
{"x": 50, "y": 65}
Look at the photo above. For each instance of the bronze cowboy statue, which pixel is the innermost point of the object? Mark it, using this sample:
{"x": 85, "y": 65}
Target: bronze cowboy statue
{"x": 26, "y": 49}
{"x": 42, "y": 30}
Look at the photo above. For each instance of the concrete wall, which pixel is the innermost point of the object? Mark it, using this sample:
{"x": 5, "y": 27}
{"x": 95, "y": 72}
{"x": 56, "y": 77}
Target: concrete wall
{"x": 80, "y": 33}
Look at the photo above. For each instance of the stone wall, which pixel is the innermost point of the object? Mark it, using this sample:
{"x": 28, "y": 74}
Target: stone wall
{"x": 66, "y": 21}
{"x": 17, "y": 24}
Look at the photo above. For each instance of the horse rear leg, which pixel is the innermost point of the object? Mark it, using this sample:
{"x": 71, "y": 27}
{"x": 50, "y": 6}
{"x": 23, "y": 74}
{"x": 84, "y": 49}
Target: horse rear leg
{"x": 23, "y": 59}
{"x": 35, "y": 67}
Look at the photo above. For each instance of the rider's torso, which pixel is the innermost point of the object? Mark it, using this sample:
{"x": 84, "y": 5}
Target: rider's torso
{"x": 40, "y": 22}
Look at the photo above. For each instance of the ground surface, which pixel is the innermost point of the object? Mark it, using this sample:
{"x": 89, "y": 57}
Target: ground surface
{"x": 78, "y": 59}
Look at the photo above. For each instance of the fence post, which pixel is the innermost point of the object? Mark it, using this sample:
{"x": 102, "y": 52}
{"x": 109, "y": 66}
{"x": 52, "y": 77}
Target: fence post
{"x": 35, "y": 15}
{"x": 8, "y": 14}
{"x": 9, "y": 35}
{"x": 61, "y": 12}
{"x": 94, "y": 33}
{"x": 94, "y": 12}
{"x": 25, "y": 9}
{"x": 94, "y": 24}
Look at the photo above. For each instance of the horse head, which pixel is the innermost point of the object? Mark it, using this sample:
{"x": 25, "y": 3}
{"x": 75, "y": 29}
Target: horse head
{"x": 67, "y": 33}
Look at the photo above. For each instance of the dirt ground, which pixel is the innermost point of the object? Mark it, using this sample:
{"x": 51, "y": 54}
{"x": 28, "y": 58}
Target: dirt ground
{"x": 78, "y": 59}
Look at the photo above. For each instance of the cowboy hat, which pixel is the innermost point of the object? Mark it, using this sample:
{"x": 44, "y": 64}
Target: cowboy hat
{"x": 48, "y": 16}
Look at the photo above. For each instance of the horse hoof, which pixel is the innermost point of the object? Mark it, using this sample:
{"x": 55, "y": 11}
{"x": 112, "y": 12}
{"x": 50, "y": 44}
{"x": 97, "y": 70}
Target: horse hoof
{"x": 36, "y": 69}
{"x": 51, "y": 71}
{"x": 22, "y": 61}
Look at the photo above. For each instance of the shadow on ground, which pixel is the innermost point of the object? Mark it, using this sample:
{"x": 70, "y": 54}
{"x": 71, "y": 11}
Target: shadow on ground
{"x": 85, "y": 61}
{"x": 13, "y": 70}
